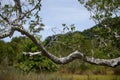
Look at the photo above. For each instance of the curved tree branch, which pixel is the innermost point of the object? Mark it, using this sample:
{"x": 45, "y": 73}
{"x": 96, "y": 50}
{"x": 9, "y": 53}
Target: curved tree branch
{"x": 78, "y": 55}
{"x": 74, "y": 55}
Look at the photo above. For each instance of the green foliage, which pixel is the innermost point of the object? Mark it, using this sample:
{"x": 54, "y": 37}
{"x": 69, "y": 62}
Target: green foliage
{"x": 67, "y": 43}
{"x": 86, "y": 41}
{"x": 102, "y": 9}
{"x": 35, "y": 64}
{"x": 12, "y": 55}
{"x": 69, "y": 28}
{"x": 99, "y": 32}
{"x": 2, "y": 50}
{"x": 31, "y": 63}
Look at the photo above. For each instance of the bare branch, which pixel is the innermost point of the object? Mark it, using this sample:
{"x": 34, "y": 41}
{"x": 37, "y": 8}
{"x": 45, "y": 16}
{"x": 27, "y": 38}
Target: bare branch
{"x": 6, "y": 34}
{"x": 4, "y": 18}
{"x": 32, "y": 54}
{"x": 18, "y": 6}
{"x": 78, "y": 55}
{"x": 10, "y": 32}
{"x": 27, "y": 12}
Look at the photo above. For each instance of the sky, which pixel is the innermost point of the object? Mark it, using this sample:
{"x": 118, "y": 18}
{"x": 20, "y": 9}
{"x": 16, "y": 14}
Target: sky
{"x": 56, "y": 12}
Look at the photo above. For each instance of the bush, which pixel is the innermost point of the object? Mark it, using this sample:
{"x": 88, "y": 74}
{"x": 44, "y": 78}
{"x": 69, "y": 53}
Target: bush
{"x": 36, "y": 64}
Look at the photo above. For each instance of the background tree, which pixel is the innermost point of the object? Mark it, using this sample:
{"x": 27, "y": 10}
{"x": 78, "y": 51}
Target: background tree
{"x": 101, "y": 10}
{"x": 15, "y": 15}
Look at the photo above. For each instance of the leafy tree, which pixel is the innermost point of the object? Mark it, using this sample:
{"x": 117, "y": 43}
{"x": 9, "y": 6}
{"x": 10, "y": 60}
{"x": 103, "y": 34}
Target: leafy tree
{"x": 15, "y": 15}
{"x": 106, "y": 38}
{"x": 101, "y": 10}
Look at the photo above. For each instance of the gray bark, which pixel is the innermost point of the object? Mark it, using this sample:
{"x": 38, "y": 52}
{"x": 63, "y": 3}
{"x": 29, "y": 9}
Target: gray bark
{"x": 78, "y": 55}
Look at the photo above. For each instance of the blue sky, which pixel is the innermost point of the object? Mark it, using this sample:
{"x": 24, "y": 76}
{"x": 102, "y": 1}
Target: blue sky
{"x": 56, "y": 12}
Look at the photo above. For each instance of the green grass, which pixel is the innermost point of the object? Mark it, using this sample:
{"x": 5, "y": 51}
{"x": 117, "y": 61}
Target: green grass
{"x": 7, "y": 75}
{"x": 96, "y": 77}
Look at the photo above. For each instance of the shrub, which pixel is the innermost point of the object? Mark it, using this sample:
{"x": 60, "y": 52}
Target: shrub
{"x": 36, "y": 64}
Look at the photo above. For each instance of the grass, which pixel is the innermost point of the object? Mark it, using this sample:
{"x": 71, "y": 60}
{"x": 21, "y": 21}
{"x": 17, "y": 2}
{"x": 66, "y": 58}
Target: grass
{"x": 96, "y": 77}
{"x": 9, "y": 75}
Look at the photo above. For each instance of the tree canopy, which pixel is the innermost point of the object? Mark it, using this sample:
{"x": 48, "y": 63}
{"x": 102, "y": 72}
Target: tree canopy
{"x": 101, "y": 10}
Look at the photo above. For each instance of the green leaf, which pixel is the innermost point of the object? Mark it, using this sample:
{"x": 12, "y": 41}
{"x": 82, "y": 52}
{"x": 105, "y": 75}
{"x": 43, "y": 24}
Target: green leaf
{"x": 6, "y": 6}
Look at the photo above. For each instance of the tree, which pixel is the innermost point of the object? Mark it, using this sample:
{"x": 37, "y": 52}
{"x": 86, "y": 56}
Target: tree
{"x": 101, "y": 10}
{"x": 14, "y": 17}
